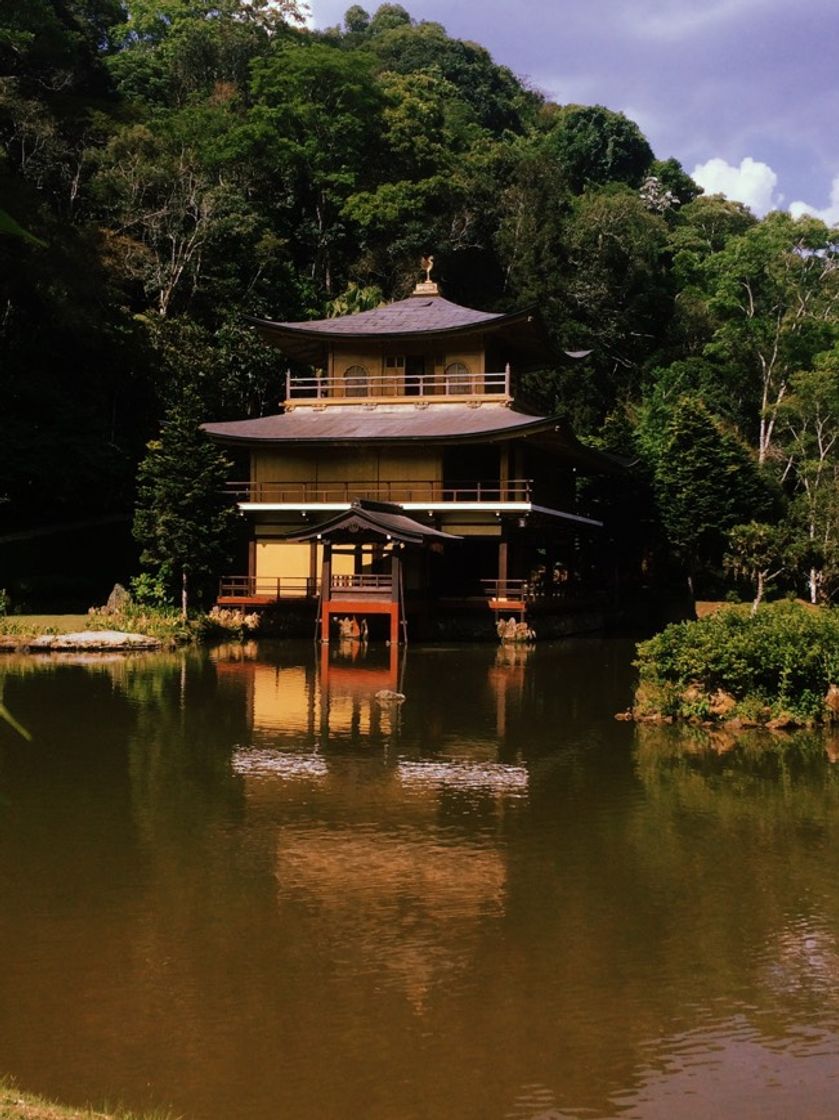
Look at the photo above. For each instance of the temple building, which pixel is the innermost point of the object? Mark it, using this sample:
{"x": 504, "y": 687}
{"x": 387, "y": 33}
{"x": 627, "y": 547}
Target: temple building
{"x": 405, "y": 474}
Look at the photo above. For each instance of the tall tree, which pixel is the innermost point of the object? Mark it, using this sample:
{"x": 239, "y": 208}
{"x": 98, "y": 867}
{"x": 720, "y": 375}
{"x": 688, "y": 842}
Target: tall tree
{"x": 183, "y": 521}
{"x": 706, "y": 481}
{"x": 808, "y": 452}
{"x": 774, "y": 292}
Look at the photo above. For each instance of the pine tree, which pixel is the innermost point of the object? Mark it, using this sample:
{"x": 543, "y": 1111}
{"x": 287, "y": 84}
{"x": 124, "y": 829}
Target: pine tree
{"x": 182, "y": 519}
{"x": 706, "y": 481}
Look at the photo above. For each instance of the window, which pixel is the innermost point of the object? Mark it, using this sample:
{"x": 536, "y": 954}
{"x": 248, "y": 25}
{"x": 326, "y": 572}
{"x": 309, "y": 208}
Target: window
{"x": 458, "y": 378}
{"x": 356, "y": 382}
{"x": 394, "y": 361}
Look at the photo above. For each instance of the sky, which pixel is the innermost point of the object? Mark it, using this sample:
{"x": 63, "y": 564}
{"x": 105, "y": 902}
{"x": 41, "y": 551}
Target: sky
{"x": 744, "y": 93}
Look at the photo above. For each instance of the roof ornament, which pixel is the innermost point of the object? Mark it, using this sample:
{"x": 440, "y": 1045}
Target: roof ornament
{"x": 426, "y": 287}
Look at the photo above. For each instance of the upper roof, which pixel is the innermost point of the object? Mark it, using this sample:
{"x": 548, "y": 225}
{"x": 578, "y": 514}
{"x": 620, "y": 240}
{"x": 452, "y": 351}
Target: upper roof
{"x": 419, "y": 314}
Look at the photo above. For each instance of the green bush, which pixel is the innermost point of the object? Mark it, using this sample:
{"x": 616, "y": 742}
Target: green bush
{"x": 780, "y": 660}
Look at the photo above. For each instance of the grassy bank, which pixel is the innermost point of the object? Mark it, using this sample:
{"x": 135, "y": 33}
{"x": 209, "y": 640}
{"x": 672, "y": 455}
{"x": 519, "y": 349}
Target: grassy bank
{"x": 16, "y": 1105}
{"x": 778, "y": 667}
{"x": 165, "y": 624}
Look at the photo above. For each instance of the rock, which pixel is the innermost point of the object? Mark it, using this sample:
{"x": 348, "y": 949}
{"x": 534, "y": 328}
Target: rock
{"x": 93, "y": 640}
{"x": 691, "y": 694}
{"x": 118, "y": 600}
{"x": 387, "y": 696}
{"x": 722, "y": 704}
{"x": 627, "y": 715}
{"x": 511, "y": 630}
{"x": 831, "y": 701}
{"x": 783, "y": 722}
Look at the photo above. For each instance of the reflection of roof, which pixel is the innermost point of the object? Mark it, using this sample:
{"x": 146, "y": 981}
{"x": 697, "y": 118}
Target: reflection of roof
{"x": 418, "y": 315}
{"x": 373, "y": 519}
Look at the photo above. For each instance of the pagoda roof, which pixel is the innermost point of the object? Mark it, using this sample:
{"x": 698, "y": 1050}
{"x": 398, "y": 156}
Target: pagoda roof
{"x": 373, "y": 520}
{"x": 426, "y": 315}
{"x": 406, "y": 424}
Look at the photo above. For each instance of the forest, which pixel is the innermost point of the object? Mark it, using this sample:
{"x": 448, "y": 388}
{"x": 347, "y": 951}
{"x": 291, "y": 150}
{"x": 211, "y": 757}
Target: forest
{"x": 168, "y": 167}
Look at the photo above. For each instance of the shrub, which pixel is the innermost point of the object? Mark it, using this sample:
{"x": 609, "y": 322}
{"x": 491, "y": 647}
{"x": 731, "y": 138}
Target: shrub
{"x": 783, "y": 658}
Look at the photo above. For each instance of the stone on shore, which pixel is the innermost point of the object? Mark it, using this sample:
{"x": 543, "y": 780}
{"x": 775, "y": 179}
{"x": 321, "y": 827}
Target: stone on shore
{"x": 94, "y": 640}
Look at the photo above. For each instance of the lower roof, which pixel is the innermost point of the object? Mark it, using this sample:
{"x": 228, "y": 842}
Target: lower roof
{"x": 368, "y": 520}
{"x": 403, "y": 424}
{"x": 351, "y": 423}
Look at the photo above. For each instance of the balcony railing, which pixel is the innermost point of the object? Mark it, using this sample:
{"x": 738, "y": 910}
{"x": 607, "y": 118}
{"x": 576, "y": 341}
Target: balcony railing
{"x": 397, "y": 384}
{"x": 271, "y": 588}
{"x": 417, "y": 490}
{"x": 507, "y": 590}
{"x": 267, "y": 587}
{"x": 363, "y": 586}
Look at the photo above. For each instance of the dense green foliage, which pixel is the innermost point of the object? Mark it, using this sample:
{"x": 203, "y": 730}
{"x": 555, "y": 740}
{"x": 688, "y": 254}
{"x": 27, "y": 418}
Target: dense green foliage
{"x": 780, "y": 659}
{"x": 167, "y": 166}
{"x": 183, "y": 521}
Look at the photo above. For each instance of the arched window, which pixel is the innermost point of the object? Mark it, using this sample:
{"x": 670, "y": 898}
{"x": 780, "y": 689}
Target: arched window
{"x": 356, "y": 382}
{"x": 458, "y": 378}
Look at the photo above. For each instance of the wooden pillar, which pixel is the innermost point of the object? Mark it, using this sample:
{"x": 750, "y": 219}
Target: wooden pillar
{"x": 395, "y": 607}
{"x": 503, "y": 552}
{"x": 325, "y": 590}
{"x": 504, "y": 474}
{"x": 313, "y": 566}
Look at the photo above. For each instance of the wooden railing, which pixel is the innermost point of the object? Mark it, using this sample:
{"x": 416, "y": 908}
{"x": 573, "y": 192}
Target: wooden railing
{"x": 270, "y": 588}
{"x": 417, "y": 490}
{"x": 267, "y": 587}
{"x": 508, "y": 590}
{"x": 365, "y": 586}
{"x": 397, "y": 384}
{"x": 361, "y": 587}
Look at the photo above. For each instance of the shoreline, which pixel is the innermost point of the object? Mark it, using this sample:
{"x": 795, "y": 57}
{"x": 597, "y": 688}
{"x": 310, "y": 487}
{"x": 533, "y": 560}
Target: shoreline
{"x": 15, "y": 1104}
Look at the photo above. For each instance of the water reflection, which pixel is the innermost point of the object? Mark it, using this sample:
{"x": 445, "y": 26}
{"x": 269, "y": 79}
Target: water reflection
{"x": 240, "y": 885}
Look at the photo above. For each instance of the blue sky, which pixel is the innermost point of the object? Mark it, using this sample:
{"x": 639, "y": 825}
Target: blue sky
{"x": 743, "y": 92}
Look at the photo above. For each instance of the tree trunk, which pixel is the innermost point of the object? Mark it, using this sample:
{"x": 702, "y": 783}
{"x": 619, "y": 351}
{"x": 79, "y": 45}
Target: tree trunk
{"x": 814, "y": 586}
{"x": 183, "y": 592}
{"x": 761, "y": 579}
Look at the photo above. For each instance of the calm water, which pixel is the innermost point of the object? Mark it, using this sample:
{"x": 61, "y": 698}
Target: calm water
{"x": 238, "y": 886}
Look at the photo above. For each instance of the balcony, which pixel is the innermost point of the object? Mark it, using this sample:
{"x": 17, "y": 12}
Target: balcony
{"x": 260, "y": 590}
{"x": 420, "y": 493}
{"x": 396, "y": 386}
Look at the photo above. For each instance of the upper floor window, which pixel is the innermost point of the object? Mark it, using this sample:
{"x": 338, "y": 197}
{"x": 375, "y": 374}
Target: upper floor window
{"x": 458, "y": 378}
{"x": 395, "y": 361}
{"x": 356, "y": 382}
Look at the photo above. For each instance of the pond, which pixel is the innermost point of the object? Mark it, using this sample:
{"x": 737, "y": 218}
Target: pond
{"x": 238, "y": 885}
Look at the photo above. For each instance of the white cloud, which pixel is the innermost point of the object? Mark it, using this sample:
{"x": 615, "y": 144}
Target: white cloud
{"x": 675, "y": 19}
{"x": 830, "y": 214}
{"x": 752, "y": 183}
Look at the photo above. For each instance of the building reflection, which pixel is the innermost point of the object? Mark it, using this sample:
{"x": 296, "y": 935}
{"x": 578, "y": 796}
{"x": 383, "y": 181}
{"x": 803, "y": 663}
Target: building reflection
{"x": 350, "y": 693}
{"x": 385, "y": 840}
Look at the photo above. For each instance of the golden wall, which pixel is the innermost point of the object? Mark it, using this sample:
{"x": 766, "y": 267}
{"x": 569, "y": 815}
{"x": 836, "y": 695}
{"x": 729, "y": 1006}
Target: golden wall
{"x": 330, "y": 464}
{"x": 438, "y": 356}
{"x": 276, "y": 558}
